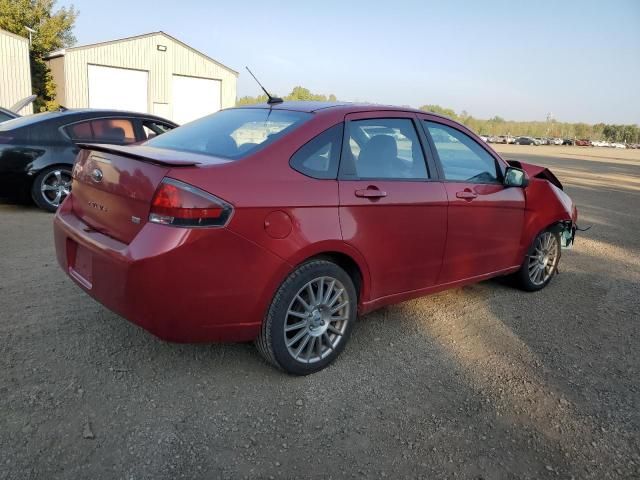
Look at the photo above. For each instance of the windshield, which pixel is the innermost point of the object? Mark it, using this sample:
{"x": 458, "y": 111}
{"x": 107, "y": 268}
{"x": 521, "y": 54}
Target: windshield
{"x": 24, "y": 121}
{"x": 231, "y": 133}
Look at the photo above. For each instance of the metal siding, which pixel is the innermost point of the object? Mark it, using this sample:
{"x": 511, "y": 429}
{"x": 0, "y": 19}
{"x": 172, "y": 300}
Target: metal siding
{"x": 56, "y": 65}
{"x": 15, "y": 71}
{"x": 189, "y": 63}
{"x": 142, "y": 54}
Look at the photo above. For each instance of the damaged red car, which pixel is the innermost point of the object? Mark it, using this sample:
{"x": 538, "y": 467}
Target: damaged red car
{"x": 280, "y": 223}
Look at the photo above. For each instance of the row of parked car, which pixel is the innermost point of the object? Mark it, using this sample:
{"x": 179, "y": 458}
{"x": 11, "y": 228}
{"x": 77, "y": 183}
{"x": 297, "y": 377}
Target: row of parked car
{"x": 525, "y": 140}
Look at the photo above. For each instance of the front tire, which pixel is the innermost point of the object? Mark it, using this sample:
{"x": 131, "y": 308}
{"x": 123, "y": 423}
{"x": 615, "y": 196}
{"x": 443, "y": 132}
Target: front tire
{"x": 310, "y": 318}
{"x": 51, "y": 186}
{"x": 540, "y": 263}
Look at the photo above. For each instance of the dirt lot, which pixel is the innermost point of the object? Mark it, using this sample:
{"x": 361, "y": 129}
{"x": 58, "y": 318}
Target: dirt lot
{"x": 480, "y": 382}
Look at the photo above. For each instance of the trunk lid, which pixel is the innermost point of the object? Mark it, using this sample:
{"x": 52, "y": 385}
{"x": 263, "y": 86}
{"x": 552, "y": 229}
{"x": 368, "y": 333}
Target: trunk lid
{"x": 113, "y": 185}
{"x": 112, "y": 193}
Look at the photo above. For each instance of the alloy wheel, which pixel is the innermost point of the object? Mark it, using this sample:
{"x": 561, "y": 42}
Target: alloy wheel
{"x": 316, "y": 319}
{"x": 543, "y": 259}
{"x": 55, "y": 186}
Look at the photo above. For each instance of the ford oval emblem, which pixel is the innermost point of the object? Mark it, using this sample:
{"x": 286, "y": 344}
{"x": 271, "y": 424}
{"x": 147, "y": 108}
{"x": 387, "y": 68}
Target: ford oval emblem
{"x": 96, "y": 175}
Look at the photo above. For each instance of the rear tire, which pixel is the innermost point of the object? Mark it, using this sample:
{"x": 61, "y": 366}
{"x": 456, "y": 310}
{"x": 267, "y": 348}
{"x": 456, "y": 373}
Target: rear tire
{"x": 51, "y": 186}
{"x": 541, "y": 262}
{"x": 310, "y": 318}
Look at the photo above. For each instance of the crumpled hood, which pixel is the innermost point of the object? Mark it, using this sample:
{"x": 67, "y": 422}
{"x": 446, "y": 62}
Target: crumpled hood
{"x": 536, "y": 171}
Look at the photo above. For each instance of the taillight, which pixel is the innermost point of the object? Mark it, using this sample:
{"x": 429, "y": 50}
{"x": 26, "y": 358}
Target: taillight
{"x": 183, "y": 205}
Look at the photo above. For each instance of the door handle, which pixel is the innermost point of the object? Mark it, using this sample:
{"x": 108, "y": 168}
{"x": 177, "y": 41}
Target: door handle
{"x": 370, "y": 192}
{"x": 466, "y": 194}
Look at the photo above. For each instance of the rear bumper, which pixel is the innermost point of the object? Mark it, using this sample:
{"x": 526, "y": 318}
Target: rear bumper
{"x": 181, "y": 285}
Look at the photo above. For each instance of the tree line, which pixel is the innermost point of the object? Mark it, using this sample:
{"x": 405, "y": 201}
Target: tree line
{"x": 550, "y": 128}
{"x": 497, "y": 125}
{"x": 297, "y": 94}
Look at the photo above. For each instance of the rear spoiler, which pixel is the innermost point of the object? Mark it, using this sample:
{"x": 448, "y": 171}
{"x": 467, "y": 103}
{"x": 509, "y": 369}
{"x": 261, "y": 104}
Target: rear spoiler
{"x": 148, "y": 154}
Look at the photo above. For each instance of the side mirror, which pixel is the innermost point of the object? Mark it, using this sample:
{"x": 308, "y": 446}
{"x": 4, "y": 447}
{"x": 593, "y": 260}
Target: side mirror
{"x": 514, "y": 177}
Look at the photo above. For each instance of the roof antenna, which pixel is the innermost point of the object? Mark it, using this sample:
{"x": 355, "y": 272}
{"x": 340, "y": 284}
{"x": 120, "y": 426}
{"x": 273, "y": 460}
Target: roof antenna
{"x": 272, "y": 100}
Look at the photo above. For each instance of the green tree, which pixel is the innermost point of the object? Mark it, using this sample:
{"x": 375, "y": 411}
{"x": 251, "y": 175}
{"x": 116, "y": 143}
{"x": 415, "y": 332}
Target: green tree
{"x": 297, "y": 94}
{"x": 53, "y": 30}
{"x": 252, "y": 100}
{"x": 447, "y": 112}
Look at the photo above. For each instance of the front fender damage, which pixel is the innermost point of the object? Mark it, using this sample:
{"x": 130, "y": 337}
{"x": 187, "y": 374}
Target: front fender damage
{"x": 547, "y": 206}
{"x": 536, "y": 171}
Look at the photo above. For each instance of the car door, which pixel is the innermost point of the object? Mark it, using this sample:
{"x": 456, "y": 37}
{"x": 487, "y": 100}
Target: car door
{"x": 392, "y": 207}
{"x": 485, "y": 218}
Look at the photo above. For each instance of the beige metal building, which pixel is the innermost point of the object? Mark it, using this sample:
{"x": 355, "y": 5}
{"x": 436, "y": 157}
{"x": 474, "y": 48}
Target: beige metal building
{"x": 152, "y": 73}
{"x": 15, "y": 70}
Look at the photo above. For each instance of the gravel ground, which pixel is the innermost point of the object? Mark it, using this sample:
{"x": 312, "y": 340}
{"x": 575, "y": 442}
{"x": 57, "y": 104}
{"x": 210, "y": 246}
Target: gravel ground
{"x": 479, "y": 382}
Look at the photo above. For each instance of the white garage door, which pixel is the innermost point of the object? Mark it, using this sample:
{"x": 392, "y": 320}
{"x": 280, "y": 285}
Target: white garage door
{"x": 118, "y": 88}
{"x": 194, "y": 98}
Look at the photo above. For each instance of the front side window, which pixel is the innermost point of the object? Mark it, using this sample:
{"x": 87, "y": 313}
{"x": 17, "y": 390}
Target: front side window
{"x": 107, "y": 130}
{"x": 462, "y": 158}
{"x": 319, "y": 157}
{"x": 231, "y": 134}
{"x": 386, "y": 148}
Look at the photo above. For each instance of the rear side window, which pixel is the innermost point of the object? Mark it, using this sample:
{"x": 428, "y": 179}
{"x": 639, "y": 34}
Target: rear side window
{"x": 233, "y": 133}
{"x": 462, "y": 158}
{"x": 151, "y": 128}
{"x": 107, "y": 130}
{"x": 319, "y": 157}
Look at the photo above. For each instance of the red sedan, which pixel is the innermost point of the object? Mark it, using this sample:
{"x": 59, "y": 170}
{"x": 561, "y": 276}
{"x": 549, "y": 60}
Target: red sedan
{"x": 280, "y": 223}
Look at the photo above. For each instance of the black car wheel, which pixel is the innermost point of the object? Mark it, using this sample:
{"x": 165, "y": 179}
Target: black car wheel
{"x": 310, "y": 318}
{"x": 51, "y": 187}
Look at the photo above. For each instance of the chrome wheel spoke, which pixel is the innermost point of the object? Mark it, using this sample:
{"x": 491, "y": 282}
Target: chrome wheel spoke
{"x": 327, "y": 339}
{"x": 303, "y": 302}
{"x": 301, "y": 346}
{"x": 297, "y": 314}
{"x": 297, "y": 337}
{"x": 339, "y": 307}
{"x": 333, "y": 329}
{"x": 310, "y": 346}
{"x": 295, "y": 326}
{"x": 312, "y": 295}
{"x": 329, "y": 291}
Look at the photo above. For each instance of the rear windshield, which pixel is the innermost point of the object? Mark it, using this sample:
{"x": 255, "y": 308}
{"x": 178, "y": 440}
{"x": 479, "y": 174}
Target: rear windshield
{"x": 231, "y": 134}
{"x": 25, "y": 121}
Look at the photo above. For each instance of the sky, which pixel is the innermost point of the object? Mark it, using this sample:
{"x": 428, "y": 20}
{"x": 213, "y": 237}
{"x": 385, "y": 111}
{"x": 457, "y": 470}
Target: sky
{"x": 578, "y": 60}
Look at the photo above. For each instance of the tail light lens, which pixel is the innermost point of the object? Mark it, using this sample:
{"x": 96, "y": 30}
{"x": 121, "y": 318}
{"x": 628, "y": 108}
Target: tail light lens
{"x": 183, "y": 205}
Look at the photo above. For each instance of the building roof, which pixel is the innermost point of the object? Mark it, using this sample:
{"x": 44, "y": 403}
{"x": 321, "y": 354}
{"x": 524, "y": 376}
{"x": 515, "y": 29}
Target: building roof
{"x": 14, "y": 35}
{"x": 63, "y": 51}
